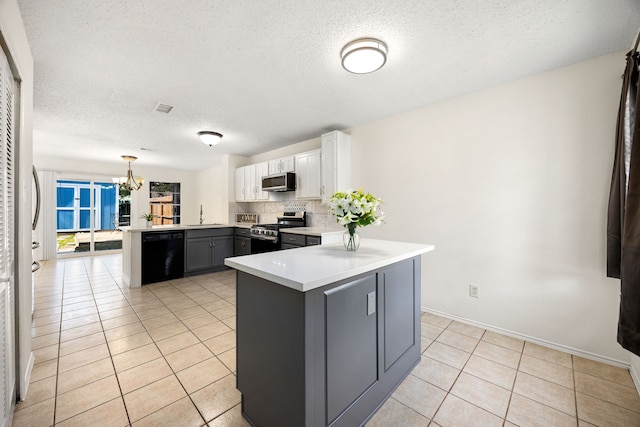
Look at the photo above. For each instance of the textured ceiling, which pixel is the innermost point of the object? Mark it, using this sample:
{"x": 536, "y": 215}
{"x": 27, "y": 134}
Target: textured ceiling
{"x": 267, "y": 73}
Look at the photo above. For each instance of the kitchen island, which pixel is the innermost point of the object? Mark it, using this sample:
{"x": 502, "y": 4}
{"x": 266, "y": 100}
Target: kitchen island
{"x": 324, "y": 336}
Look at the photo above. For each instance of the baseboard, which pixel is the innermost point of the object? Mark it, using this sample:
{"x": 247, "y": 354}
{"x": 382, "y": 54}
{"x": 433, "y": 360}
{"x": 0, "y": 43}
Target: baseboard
{"x": 24, "y": 387}
{"x": 634, "y": 377}
{"x": 534, "y": 340}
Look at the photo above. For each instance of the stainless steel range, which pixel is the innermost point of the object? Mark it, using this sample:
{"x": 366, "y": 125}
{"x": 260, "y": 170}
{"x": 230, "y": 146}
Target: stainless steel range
{"x": 266, "y": 237}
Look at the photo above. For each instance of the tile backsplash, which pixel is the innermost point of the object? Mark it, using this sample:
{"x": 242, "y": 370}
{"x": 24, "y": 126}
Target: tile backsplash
{"x": 317, "y": 213}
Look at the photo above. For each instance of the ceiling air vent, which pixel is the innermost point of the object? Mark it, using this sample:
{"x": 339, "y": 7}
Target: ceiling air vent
{"x": 163, "y": 108}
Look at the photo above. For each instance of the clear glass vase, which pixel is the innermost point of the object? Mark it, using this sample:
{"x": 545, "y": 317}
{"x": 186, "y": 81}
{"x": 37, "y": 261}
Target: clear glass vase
{"x": 351, "y": 239}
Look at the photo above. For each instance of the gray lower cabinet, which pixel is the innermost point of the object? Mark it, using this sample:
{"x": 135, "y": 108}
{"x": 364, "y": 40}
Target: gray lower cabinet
{"x": 206, "y": 249}
{"x": 290, "y": 240}
{"x": 313, "y": 240}
{"x": 242, "y": 244}
{"x": 330, "y": 356}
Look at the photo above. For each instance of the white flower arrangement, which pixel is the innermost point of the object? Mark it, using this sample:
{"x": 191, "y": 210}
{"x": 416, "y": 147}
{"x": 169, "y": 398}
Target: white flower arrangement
{"x": 355, "y": 208}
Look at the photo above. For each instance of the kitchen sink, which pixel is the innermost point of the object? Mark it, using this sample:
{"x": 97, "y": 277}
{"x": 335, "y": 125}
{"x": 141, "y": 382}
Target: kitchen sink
{"x": 204, "y": 225}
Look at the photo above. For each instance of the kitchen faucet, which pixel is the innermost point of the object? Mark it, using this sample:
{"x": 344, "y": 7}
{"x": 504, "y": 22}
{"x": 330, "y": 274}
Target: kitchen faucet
{"x": 201, "y": 217}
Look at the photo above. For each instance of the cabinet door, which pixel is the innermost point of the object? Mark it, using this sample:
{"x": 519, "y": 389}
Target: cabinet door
{"x": 314, "y": 174}
{"x": 250, "y": 189}
{"x": 328, "y": 166}
{"x": 308, "y": 175}
{"x": 399, "y": 296}
{"x": 262, "y": 169}
{"x": 288, "y": 164}
{"x": 336, "y": 163}
{"x": 198, "y": 253}
{"x": 242, "y": 246}
{"x": 222, "y": 248}
{"x": 301, "y": 168}
{"x": 275, "y": 166}
{"x": 351, "y": 343}
{"x": 239, "y": 187}
{"x": 293, "y": 239}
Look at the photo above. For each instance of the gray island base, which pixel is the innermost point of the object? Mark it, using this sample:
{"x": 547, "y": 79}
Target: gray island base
{"x": 325, "y": 336}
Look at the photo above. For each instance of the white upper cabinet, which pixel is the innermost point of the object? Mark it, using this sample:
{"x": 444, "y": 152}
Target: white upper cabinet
{"x": 286, "y": 164}
{"x": 239, "y": 187}
{"x": 262, "y": 169}
{"x": 250, "y": 189}
{"x": 308, "y": 175}
{"x": 336, "y": 164}
{"x": 319, "y": 173}
{"x": 248, "y": 185}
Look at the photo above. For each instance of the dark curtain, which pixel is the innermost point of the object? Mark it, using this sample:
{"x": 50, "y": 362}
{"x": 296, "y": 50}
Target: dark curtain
{"x": 623, "y": 228}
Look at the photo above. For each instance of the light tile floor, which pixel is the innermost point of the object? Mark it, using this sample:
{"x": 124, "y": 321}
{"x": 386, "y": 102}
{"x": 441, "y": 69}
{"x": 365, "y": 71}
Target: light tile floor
{"x": 164, "y": 354}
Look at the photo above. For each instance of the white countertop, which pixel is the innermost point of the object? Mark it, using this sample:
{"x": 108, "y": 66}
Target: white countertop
{"x": 311, "y": 267}
{"x": 313, "y": 231}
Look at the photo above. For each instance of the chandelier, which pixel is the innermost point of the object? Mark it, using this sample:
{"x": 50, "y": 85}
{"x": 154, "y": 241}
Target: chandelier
{"x": 130, "y": 183}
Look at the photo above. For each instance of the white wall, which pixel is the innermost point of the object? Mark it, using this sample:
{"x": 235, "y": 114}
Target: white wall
{"x": 139, "y": 199}
{"x": 511, "y": 185}
{"x": 17, "y": 49}
{"x": 212, "y": 191}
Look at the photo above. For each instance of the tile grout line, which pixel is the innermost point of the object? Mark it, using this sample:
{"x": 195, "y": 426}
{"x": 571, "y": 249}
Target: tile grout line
{"x": 575, "y": 392}
{"x": 55, "y": 393}
{"x": 457, "y": 376}
{"x": 55, "y": 396}
{"x": 513, "y": 385}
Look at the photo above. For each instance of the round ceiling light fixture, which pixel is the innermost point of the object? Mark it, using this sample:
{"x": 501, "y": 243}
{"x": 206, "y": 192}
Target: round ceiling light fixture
{"x": 364, "y": 56}
{"x": 210, "y": 138}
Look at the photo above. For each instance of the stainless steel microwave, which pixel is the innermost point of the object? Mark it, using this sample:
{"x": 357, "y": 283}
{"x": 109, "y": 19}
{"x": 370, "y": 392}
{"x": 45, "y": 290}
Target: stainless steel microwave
{"x": 279, "y": 182}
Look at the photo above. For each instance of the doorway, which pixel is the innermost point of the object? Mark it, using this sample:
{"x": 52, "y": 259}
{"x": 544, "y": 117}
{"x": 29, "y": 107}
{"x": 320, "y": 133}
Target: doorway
{"x": 86, "y": 217}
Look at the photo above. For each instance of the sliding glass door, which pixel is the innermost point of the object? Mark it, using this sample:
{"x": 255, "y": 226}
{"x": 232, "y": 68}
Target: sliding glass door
{"x": 86, "y": 216}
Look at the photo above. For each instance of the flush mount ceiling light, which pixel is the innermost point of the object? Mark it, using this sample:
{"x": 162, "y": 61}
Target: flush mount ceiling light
{"x": 130, "y": 182}
{"x": 210, "y": 138}
{"x": 364, "y": 56}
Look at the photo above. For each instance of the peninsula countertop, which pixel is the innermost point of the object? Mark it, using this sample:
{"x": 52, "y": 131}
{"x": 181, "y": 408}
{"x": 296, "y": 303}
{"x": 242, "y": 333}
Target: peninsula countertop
{"x": 179, "y": 227}
{"x": 307, "y": 268}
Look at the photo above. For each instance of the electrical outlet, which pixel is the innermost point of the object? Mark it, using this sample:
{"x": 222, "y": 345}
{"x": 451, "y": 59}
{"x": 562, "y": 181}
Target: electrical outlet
{"x": 474, "y": 291}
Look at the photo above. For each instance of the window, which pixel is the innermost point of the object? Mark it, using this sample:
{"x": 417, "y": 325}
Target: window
{"x": 76, "y": 203}
{"x": 164, "y": 202}
{"x": 73, "y": 205}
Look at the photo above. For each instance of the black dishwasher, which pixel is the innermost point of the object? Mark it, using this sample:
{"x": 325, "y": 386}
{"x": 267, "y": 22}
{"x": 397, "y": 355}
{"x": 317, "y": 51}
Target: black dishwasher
{"x": 162, "y": 256}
